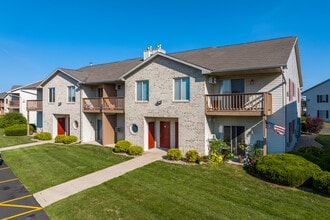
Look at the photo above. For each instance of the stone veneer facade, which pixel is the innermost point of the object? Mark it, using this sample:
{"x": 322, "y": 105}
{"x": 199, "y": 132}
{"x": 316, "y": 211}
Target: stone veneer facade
{"x": 190, "y": 115}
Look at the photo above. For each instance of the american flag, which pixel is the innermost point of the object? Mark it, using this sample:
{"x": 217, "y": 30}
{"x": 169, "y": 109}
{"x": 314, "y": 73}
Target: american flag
{"x": 276, "y": 128}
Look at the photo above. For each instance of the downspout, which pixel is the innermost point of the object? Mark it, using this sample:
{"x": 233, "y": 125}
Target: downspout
{"x": 284, "y": 103}
{"x": 81, "y": 113}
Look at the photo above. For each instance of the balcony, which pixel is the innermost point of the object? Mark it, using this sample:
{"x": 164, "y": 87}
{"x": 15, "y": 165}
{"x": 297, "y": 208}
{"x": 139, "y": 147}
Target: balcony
{"x": 14, "y": 104}
{"x": 105, "y": 105}
{"x": 34, "y": 105}
{"x": 239, "y": 104}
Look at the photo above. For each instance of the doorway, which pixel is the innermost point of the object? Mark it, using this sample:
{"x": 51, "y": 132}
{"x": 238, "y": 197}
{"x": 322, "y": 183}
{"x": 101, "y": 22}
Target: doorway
{"x": 165, "y": 134}
{"x": 61, "y": 126}
{"x": 233, "y": 135}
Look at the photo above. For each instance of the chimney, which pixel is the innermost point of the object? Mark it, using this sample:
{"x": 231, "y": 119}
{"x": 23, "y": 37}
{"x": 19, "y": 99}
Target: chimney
{"x": 149, "y": 51}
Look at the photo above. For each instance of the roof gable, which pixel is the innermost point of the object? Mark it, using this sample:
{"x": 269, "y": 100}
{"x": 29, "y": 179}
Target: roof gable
{"x": 317, "y": 85}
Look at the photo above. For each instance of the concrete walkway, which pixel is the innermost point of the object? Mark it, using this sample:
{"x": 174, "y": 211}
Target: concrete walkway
{"x": 64, "y": 190}
{"x": 25, "y": 145}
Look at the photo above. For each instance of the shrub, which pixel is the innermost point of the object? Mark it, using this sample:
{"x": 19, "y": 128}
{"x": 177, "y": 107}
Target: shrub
{"x": 217, "y": 146}
{"x": 135, "y": 150}
{"x": 287, "y": 169}
{"x": 65, "y": 139}
{"x": 122, "y": 146}
{"x": 314, "y": 125}
{"x": 43, "y": 136}
{"x": 59, "y": 138}
{"x": 174, "y": 154}
{"x": 315, "y": 151}
{"x": 16, "y": 130}
{"x": 321, "y": 182}
{"x": 12, "y": 118}
{"x": 192, "y": 156}
{"x": 216, "y": 159}
{"x": 70, "y": 139}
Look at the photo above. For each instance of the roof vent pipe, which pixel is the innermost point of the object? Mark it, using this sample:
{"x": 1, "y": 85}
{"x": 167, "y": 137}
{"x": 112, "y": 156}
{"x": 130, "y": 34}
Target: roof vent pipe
{"x": 149, "y": 51}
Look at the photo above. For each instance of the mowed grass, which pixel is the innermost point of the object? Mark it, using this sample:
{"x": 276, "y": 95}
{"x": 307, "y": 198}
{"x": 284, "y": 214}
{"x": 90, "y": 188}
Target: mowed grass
{"x": 47, "y": 165}
{"x": 6, "y": 141}
{"x": 326, "y": 124}
{"x": 170, "y": 191}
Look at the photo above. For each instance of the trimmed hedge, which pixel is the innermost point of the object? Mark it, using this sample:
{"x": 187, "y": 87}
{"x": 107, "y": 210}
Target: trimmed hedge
{"x": 315, "y": 155}
{"x": 287, "y": 169}
{"x": 321, "y": 182}
{"x": 174, "y": 154}
{"x": 192, "y": 156}
{"x": 43, "y": 136}
{"x": 17, "y": 130}
{"x": 66, "y": 139}
{"x": 122, "y": 146}
{"x": 135, "y": 150}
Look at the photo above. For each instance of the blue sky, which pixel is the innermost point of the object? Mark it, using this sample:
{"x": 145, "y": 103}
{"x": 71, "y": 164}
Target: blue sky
{"x": 38, "y": 36}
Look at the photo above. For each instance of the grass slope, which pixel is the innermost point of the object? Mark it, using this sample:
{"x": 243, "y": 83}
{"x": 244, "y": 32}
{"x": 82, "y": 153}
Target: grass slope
{"x": 47, "y": 165}
{"x": 171, "y": 191}
{"x": 6, "y": 141}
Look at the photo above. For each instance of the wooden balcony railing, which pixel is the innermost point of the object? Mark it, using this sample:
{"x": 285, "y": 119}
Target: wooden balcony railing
{"x": 34, "y": 105}
{"x": 106, "y": 105}
{"x": 14, "y": 104}
{"x": 2, "y": 104}
{"x": 239, "y": 104}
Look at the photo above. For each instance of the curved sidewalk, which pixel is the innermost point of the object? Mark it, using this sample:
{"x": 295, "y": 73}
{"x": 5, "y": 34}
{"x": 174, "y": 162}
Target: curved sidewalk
{"x": 64, "y": 190}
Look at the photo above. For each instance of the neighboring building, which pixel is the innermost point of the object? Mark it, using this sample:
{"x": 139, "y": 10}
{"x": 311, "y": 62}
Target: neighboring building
{"x": 181, "y": 99}
{"x": 16, "y": 100}
{"x": 2, "y": 103}
{"x": 317, "y": 100}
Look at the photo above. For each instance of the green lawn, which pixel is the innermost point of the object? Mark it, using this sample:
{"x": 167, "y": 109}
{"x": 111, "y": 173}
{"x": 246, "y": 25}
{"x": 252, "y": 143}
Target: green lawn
{"x": 6, "y": 141}
{"x": 170, "y": 191}
{"x": 326, "y": 124}
{"x": 47, "y": 165}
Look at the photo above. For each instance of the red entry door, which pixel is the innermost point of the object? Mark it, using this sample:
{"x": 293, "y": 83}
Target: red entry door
{"x": 61, "y": 126}
{"x": 151, "y": 135}
{"x": 165, "y": 134}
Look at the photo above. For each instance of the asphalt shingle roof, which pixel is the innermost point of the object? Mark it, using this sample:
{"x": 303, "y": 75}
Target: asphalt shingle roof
{"x": 255, "y": 55}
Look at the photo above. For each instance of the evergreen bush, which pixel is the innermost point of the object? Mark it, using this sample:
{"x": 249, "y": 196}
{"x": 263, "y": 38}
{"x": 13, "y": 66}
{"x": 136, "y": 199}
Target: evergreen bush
{"x": 287, "y": 169}
{"x": 321, "y": 182}
{"x": 66, "y": 139}
{"x": 17, "y": 130}
{"x": 174, "y": 154}
{"x": 12, "y": 118}
{"x": 43, "y": 136}
{"x": 135, "y": 150}
{"x": 192, "y": 156}
{"x": 122, "y": 146}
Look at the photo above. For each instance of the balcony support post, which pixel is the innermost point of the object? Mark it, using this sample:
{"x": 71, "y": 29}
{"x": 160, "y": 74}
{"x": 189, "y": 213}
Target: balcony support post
{"x": 264, "y": 129}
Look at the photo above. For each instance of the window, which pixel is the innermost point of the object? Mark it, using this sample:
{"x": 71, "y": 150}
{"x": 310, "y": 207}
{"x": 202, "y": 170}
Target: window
{"x": 291, "y": 130}
{"x": 71, "y": 94}
{"x": 181, "y": 89}
{"x": 100, "y": 92}
{"x": 324, "y": 114}
{"x": 134, "y": 128}
{"x": 322, "y": 98}
{"x": 52, "y": 94}
{"x": 142, "y": 90}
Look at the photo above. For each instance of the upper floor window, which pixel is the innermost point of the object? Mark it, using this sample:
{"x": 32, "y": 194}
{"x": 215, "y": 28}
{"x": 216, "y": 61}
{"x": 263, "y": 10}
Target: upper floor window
{"x": 182, "y": 89}
{"x": 322, "y": 98}
{"x": 142, "y": 90}
{"x": 71, "y": 94}
{"x": 51, "y": 94}
{"x": 100, "y": 92}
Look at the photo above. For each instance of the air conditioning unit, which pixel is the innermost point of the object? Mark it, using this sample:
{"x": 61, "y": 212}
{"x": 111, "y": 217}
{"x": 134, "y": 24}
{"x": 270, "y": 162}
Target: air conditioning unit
{"x": 118, "y": 129}
{"x": 118, "y": 86}
{"x": 212, "y": 80}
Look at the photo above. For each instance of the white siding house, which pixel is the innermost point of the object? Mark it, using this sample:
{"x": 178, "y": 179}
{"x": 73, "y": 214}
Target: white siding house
{"x": 317, "y": 100}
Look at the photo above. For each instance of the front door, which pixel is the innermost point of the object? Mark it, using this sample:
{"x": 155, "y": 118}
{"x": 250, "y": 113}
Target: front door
{"x": 61, "y": 126}
{"x": 165, "y": 134}
{"x": 151, "y": 135}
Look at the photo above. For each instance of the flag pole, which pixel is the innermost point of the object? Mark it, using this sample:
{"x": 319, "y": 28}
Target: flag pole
{"x": 264, "y": 129}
